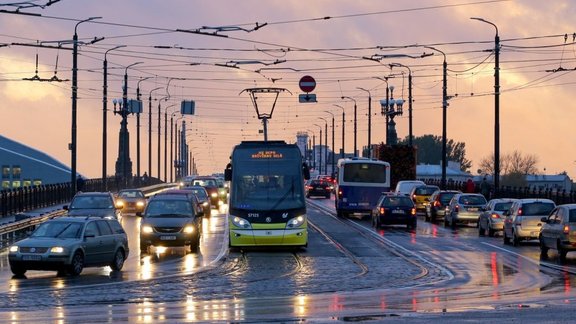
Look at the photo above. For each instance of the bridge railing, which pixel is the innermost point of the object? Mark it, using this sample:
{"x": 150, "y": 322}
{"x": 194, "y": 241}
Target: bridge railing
{"x": 17, "y": 200}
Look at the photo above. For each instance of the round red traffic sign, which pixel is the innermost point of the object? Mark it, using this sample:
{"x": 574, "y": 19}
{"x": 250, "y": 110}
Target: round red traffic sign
{"x": 307, "y": 83}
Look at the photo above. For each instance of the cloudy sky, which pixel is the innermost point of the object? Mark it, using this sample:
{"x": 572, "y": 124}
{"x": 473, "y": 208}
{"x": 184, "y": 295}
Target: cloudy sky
{"x": 210, "y": 51}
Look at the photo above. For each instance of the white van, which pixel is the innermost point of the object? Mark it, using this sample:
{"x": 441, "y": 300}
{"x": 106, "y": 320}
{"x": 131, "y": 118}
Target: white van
{"x": 404, "y": 187}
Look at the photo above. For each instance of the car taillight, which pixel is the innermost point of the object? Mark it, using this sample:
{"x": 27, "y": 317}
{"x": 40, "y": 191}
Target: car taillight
{"x": 437, "y": 203}
{"x": 456, "y": 208}
{"x": 339, "y": 193}
{"x": 566, "y": 229}
{"x": 382, "y": 210}
{"x": 495, "y": 215}
{"x": 519, "y": 211}
{"x": 413, "y": 211}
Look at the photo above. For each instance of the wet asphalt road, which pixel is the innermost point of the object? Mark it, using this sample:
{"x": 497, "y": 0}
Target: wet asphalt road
{"x": 349, "y": 272}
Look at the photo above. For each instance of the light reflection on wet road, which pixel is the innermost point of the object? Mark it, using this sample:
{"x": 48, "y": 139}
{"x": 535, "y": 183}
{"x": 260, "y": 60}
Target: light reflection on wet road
{"x": 487, "y": 275}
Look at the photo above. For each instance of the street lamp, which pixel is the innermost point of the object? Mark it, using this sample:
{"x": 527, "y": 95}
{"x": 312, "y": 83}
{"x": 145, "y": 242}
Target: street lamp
{"x": 355, "y": 124}
{"x": 320, "y": 156}
{"x": 326, "y": 145}
{"x": 409, "y": 100}
{"x": 165, "y": 98}
{"x": 343, "y": 129}
{"x": 383, "y": 111}
{"x": 392, "y": 108}
{"x": 73, "y": 143}
{"x": 150, "y": 132}
{"x": 496, "y": 106}
{"x": 369, "y": 120}
{"x": 166, "y": 141}
{"x": 333, "y": 147}
{"x": 444, "y": 119}
{"x": 138, "y": 127}
{"x": 105, "y": 119}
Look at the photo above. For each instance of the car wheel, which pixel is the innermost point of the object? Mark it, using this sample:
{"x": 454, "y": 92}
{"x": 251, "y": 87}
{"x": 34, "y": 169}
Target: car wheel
{"x": 118, "y": 261}
{"x": 377, "y": 222}
{"x": 543, "y": 249}
{"x": 491, "y": 232}
{"x": 505, "y": 237}
{"x": 561, "y": 252}
{"x": 339, "y": 213}
{"x": 17, "y": 270}
{"x": 77, "y": 264}
{"x": 452, "y": 223}
{"x": 515, "y": 240}
{"x": 446, "y": 221}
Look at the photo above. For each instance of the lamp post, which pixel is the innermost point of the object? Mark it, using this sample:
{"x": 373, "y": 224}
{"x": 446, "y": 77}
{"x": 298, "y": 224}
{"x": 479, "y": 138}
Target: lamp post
{"x": 320, "y": 155}
{"x": 138, "y": 128}
{"x": 444, "y": 117}
{"x": 392, "y": 108}
{"x": 105, "y": 119}
{"x": 74, "y": 127}
{"x": 173, "y": 145}
{"x": 343, "y": 129}
{"x": 333, "y": 147}
{"x": 123, "y": 163}
{"x": 410, "y": 136}
{"x": 369, "y": 120}
{"x": 496, "y": 106}
{"x": 166, "y": 141}
{"x": 383, "y": 111}
{"x": 326, "y": 145}
{"x": 355, "y": 123}
{"x": 159, "y": 133}
{"x": 150, "y": 132}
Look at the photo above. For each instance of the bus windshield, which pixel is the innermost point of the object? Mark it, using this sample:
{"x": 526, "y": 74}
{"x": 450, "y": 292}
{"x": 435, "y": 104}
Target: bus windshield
{"x": 364, "y": 172}
{"x": 267, "y": 184}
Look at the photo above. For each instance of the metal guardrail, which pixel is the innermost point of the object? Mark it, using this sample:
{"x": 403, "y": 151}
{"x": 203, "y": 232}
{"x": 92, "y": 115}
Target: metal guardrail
{"x": 23, "y": 224}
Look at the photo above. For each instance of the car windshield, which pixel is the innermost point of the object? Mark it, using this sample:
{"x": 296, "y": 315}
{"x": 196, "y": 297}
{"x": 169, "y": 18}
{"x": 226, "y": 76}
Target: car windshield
{"x": 205, "y": 182}
{"x": 537, "y": 208}
{"x": 572, "y": 216}
{"x": 169, "y": 208}
{"x": 59, "y": 230}
{"x": 503, "y": 206}
{"x": 131, "y": 194}
{"x": 91, "y": 202}
{"x": 200, "y": 193}
{"x": 473, "y": 200}
{"x": 425, "y": 191}
{"x": 398, "y": 201}
{"x": 445, "y": 198}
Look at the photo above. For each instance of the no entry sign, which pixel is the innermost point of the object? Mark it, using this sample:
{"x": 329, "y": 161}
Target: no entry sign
{"x": 307, "y": 83}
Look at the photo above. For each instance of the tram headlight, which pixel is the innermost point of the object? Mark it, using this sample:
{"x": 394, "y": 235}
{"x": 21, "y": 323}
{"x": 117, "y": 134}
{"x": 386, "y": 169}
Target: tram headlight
{"x": 296, "y": 221}
{"x": 241, "y": 222}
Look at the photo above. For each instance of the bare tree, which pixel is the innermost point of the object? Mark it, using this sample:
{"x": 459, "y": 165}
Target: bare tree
{"x": 510, "y": 163}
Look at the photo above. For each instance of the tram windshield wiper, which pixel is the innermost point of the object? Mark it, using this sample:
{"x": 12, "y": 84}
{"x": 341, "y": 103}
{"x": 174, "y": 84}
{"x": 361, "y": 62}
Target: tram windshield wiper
{"x": 291, "y": 190}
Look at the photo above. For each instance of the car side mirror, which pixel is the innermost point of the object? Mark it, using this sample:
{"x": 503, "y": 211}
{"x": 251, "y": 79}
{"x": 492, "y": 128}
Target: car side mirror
{"x": 65, "y": 207}
{"x": 139, "y": 214}
{"x": 544, "y": 220}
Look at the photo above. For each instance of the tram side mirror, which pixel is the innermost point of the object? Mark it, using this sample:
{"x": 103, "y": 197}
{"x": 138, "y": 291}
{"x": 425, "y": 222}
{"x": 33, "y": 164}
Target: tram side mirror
{"x": 306, "y": 171}
{"x": 228, "y": 172}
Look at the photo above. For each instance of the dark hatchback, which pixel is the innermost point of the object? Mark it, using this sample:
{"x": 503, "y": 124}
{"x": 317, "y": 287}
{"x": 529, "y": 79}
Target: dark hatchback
{"x": 203, "y": 198}
{"x": 436, "y": 207}
{"x": 318, "y": 188}
{"x": 100, "y": 204}
{"x": 393, "y": 209}
{"x": 171, "y": 221}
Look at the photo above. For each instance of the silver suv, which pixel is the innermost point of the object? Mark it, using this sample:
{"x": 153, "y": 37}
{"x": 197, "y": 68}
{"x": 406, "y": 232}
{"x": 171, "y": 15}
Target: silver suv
{"x": 68, "y": 244}
{"x": 559, "y": 231}
{"x": 524, "y": 219}
{"x": 464, "y": 208}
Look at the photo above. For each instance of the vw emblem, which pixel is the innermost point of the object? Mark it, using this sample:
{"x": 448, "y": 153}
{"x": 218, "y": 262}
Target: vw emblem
{"x": 268, "y": 219}
{"x": 32, "y": 250}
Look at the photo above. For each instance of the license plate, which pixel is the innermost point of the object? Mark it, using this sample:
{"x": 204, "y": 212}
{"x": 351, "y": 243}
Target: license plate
{"x": 31, "y": 257}
{"x": 473, "y": 209}
{"x": 168, "y": 237}
{"x": 397, "y": 211}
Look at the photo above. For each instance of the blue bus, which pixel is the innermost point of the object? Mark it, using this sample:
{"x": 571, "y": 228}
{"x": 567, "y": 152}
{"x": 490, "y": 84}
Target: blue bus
{"x": 359, "y": 184}
{"x": 267, "y": 204}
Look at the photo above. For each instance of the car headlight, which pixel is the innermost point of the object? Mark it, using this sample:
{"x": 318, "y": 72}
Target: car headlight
{"x": 147, "y": 229}
{"x": 13, "y": 249}
{"x": 189, "y": 229}
{"x": 222, "y": 192}
{"x": 119, "y": 204}
{"x": 241, "y": 222}
{"x": 296, "y": 222}
{"x": 214, "y": 195}
{"x": 205, "y": 204}
{"x": 57, "y": 249}
{"x": 140, "y": 204}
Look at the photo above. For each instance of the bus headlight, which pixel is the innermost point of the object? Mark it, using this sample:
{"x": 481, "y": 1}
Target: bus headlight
{"x": 296, "y": 222}
{"x": 241, "y": 222}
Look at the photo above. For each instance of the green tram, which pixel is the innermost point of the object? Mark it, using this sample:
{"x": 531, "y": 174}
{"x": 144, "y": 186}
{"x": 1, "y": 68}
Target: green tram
{"x": 267, "y": 202}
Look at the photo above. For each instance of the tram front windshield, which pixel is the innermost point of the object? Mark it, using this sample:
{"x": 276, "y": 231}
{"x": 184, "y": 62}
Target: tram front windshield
{"x": 267, "y": 185}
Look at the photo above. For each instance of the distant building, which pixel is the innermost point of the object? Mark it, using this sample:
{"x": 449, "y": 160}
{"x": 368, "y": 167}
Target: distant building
{"x": 543, "y": 181}
{"x": 23, "y": 166}
{"x": 434, "y": 171}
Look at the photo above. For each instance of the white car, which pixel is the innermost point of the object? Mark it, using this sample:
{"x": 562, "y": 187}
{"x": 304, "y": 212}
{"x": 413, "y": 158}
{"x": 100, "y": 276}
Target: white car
{"x": 404, "y": 187}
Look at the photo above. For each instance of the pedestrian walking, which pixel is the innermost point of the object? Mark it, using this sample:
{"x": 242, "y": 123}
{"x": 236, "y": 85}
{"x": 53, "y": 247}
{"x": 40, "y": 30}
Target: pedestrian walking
{"x": 485, "y": 188}
{"x": 470, "y": 186}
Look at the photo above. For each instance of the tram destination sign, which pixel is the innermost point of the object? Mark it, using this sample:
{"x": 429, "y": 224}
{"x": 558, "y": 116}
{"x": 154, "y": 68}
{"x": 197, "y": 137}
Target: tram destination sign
{"x": 267, "y": 155}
